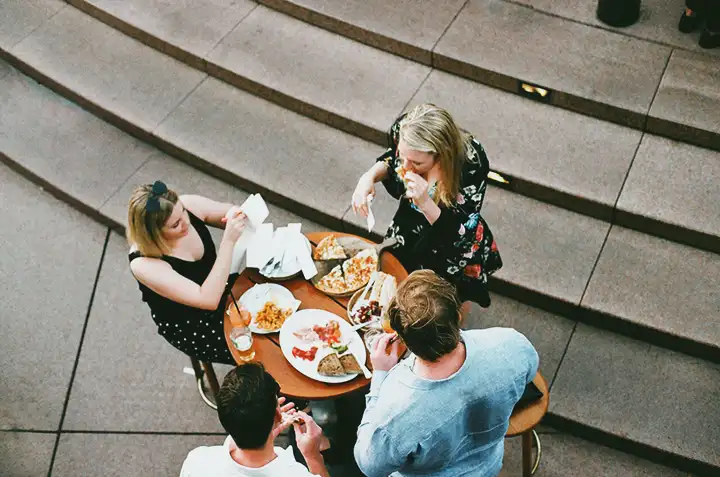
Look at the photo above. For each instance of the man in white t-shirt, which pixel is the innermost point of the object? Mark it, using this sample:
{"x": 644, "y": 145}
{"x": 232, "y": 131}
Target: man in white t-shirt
{"x": 250, "y": 411}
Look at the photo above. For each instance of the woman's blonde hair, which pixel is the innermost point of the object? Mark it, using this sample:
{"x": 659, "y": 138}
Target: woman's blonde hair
{"x": 145, "y": 227}
{"x": 427, "y": 128}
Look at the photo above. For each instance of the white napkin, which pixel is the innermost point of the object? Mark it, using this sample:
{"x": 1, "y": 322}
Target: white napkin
{"x": 259, "y": 250}
{"x": 257, "y": 211}
{"x": 370, "y": 217}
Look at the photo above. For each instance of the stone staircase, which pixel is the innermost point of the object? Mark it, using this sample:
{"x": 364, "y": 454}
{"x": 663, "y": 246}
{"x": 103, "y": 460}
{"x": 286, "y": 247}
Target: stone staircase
{"x": 610, "y": 232}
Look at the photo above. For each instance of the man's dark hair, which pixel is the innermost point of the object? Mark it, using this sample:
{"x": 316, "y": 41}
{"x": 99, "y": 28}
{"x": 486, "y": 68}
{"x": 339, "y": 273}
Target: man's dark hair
{"x": 246, "y": 405}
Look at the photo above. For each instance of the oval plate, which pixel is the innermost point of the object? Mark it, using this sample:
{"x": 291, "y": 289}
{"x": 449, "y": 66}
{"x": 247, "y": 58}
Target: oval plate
{"x": 306, "y": 319}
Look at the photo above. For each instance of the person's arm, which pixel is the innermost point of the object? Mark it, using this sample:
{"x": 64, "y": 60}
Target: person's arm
{"x": 308, "y": 437}
{"x": 316, "y": 465}
{"x": 209, "y": 211}
{"x": 159, "y": 276}
{"x": 374, "y": 449}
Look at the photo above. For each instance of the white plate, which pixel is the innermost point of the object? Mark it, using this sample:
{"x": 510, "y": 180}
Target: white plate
{"x": 255, "y": 298}
{"x": 288, "y": 269}
{"x": 306, "y": 319}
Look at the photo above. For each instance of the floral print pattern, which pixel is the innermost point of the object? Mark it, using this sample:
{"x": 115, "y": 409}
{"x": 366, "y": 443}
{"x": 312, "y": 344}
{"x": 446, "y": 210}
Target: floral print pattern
{"x": 459, "y": 246}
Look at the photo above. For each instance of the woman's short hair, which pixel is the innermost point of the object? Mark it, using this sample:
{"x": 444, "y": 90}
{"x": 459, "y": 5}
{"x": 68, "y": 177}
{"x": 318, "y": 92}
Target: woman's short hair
{"x": 144, "y": 228}
{"x": 246, "y": 405}
{"x": 428, "y": 128}
{"x": 425, "y": 313}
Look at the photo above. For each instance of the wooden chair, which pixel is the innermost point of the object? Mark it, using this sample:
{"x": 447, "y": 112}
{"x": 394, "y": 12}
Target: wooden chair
{"x": 206, "y": 369}
{"x": 523, "y": 422}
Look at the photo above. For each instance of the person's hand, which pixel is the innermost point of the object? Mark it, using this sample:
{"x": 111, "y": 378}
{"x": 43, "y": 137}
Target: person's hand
{"x": 288, "y": 412}
{"x": 234, "y": 227}
{"x": 364, "y": 188}
{"x": 233, "y": 212}
{"x": 308, "y": 435}
{"x": 383, "y": 359}
{"x": 417, "y": 188}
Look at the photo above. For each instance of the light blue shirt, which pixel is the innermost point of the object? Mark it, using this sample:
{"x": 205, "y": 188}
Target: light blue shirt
{"x": 450, "y": 427}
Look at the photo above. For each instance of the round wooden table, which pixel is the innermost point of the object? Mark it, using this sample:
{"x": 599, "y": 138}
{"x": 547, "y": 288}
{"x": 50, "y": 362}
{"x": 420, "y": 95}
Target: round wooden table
{"x": 294, "y": 384}
{"x": 523, "y": 422}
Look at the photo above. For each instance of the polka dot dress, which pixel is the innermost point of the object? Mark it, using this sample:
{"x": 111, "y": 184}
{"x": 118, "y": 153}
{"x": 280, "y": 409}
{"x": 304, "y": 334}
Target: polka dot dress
{"x": 196, "y": 332}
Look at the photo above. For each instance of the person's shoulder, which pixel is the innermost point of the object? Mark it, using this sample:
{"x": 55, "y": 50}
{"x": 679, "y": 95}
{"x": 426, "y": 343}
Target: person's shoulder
{"x": 498, "y": 336}
{"x": 291, "y": 467}
{"x": 200, "y": 459}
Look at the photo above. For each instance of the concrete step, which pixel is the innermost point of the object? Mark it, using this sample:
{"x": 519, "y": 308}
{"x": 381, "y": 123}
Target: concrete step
{"x": 639, "y": 398}
{"x": 88, "y": 162}
{"x": 267, "y": 51}
{"x": 587, "y": 66}
{"x": 235, "y": 136}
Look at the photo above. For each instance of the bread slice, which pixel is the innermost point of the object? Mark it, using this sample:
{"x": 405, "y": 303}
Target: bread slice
{"x": 350, "y": 364}
{"x": 330, "y": 366}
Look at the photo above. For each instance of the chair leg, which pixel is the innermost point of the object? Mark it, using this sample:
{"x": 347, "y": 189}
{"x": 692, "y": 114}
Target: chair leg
{"x": 212, "y": 381}
{"x": 527, "y": 439}
{"x": 211, "y": 378}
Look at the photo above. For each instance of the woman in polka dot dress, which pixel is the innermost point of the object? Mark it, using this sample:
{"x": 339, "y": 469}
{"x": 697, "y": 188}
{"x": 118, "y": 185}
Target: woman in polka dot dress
{"x": 181, "y": 277}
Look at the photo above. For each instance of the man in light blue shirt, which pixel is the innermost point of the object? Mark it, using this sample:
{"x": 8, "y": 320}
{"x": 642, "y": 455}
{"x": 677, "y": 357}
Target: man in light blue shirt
{"x": 444, "y": 410}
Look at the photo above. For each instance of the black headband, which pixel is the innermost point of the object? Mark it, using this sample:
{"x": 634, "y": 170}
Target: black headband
{"x": 153, "y": 203}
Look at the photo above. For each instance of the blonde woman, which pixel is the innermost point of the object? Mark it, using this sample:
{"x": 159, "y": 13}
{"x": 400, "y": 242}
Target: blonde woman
{"x": 180, "y": 275}
{"x": 439, "y": 174}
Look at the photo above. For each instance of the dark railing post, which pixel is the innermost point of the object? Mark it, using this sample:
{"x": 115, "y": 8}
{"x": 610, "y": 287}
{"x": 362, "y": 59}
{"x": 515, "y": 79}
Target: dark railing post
{"x": 618, "y": 13}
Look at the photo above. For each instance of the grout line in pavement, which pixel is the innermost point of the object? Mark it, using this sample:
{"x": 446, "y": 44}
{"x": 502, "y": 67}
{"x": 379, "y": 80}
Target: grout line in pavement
{"x": 562, "y": 358}
{"x": 212, "y": 48}
{"x": 457, "y": 14}
{"x": 32, "y": 32}
{"x": 80, "y": 345}
{"x": 119, "y": 188}
{"x": 143, "y": 433}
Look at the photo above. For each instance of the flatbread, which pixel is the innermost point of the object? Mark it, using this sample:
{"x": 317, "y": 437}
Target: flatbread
{"x": 350, "y": 364}
{"x": 333, "y": 282}
{"x": 360, "y": 268}
{"x": 328, "y": 249}
{"x": 330, "y": 366}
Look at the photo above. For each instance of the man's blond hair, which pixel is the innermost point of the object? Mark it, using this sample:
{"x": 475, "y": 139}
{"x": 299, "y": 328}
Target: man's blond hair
{"x": 425, "y": 313}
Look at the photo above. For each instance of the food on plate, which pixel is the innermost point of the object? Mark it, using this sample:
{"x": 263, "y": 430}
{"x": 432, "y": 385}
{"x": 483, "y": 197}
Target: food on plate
{"x": 350, "y": 364}
{"x": 339, "y": 348}
{"x": 330, "y": 333}
{"x": 329, "y": 249}
{"x": 358, "y": 271}
{"x": 383, "y": 290}
{"x": 360, "y": 268}
{"x": 333, "y": 282}
{"x": 308, "y": 355}
{"x": 364, "y": 313}
{"x": 330, "y": 365}
{"x": 271, "y": 316}
{"x": 306, "y": 335}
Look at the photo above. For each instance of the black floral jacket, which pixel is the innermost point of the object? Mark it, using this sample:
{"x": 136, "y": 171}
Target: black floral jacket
{"x": 459, "y": 246}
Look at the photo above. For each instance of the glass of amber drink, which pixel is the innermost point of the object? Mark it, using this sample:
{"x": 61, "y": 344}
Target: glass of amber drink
{"x": 242, "y": 339}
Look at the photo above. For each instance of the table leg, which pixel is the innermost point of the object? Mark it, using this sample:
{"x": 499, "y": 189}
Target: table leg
{"x": 527, "y": 454}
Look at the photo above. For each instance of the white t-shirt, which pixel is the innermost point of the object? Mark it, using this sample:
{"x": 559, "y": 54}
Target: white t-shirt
{"x": 215, "y": 461}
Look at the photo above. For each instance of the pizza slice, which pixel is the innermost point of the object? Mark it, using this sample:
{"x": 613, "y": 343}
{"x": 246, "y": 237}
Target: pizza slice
{"x": 360, "y": 268}
{"x": 328, "y": 249}
{"x": 333, "y": 282}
